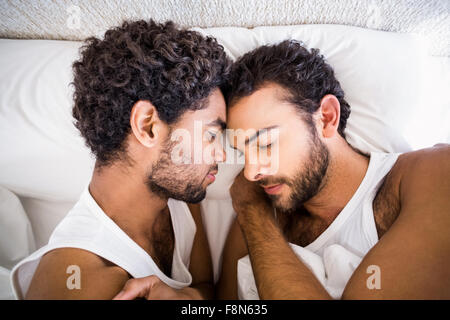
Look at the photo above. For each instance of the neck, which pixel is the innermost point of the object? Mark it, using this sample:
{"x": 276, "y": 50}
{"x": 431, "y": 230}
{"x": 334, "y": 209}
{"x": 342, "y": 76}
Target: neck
{"x": 345, "y": 173}
{"x": 123, "y": 196}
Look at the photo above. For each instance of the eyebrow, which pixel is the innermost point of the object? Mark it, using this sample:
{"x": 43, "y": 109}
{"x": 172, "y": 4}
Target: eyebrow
{"x": 253, "y": 137}
{"x": 217, "y": 123}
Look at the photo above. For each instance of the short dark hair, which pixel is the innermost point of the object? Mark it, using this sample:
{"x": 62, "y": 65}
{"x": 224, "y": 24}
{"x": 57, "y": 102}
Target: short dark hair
{"x": 175, "y": 69}
{"x": 303, "y": 73}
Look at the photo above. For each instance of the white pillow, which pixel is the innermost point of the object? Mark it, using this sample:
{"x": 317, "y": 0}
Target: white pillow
{"x": 16, "y": 236}
{"x": 381, "y": 74}
{"x": 43, "y": 156}
{"x": 6, "y": 291}
{"x": 41, "y": 152}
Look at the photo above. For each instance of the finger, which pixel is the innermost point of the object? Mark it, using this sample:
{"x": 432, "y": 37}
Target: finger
{"x": 131, "y": 290}
{"x": 135, "y": 288}
{"x": 159, "y": 291}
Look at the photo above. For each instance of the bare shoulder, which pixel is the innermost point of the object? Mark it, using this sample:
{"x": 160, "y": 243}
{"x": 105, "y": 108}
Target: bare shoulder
{"x": 424, "y": 175}
{"x": 415, "y": 175}
{"x": 98, "y": 278}
{"x": 423, "y": 185}
{"x": 425, "y": 158}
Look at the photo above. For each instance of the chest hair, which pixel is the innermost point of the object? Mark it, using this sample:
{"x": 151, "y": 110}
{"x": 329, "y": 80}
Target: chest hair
{"x": 162, "y": 243}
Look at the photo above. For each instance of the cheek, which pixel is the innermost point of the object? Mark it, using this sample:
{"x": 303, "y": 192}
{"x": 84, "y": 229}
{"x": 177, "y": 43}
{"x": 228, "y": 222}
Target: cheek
{"x": 290, "y": 156}
{"x": 196, "y": 172}
{"x": 292, "y": 148}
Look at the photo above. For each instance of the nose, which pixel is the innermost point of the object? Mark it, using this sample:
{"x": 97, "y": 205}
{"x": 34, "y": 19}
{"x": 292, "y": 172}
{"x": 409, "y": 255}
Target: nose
{"x": 256, "y": 167}
{"x": 219, "y": 153}
{"x": 252, "y": 172}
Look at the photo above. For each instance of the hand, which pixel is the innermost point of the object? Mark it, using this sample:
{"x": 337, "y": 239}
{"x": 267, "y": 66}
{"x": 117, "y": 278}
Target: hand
{"x": 150, "y": 288}
{"x": 248, "y": 197}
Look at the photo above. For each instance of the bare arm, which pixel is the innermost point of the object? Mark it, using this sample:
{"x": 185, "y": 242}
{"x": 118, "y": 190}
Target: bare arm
{"x": 201, "y": 264}
{"x": 99, "y": 278}
{"x": 279, "y": 274}
{"x": 235, "y": 248}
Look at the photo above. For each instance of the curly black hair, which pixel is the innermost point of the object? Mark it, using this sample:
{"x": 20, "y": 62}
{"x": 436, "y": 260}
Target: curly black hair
{"x": 175, "y": 69}
{"x": 303, "y": 73}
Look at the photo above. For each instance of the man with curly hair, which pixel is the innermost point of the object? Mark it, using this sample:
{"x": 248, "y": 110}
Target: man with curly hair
{"x": 135, "y": 90}
{"x": 326, "y": 221}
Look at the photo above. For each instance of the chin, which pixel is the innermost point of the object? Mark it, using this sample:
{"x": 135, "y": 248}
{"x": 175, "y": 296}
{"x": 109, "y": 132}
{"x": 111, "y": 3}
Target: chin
{"x": 282, "y": 203}
{"x": 197, "y": 199}
{"x": 278, "y": 203}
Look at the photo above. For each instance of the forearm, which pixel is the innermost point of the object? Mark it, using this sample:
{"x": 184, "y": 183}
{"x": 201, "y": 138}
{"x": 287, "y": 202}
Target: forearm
{"x": 279, "y": 273}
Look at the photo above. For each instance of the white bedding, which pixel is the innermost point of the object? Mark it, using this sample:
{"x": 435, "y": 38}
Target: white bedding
{"x": 6, "y": 292}
{"x": 398, "y": 104}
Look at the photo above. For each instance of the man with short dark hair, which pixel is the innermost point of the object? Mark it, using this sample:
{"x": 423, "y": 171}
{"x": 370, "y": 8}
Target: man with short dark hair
{"x": 135, "y": 91}
{"x": 324, "y": 201}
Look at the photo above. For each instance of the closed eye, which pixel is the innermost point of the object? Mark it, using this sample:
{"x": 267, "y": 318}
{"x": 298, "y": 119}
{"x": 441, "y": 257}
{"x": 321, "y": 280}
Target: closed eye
{"x": 265, "y": 147}
{"x": 212, "y": 136}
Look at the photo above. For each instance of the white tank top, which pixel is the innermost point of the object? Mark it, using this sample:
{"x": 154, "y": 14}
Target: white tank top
{"x": 337, "y": 252}
{"x": 87, "y": 227}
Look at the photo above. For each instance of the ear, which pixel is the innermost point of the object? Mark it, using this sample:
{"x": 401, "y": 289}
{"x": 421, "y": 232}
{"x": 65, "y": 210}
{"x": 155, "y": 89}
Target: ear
{"x": 145, "y": 123}
{"x": 330, "y": 113}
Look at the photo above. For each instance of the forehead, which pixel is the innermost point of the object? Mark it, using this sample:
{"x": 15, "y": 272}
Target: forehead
{"x": 264, "y": 108}
{"x": 215, "y": 109}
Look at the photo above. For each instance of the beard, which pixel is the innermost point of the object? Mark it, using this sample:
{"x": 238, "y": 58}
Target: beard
{"x": 177, "y": 181}
{"x": 307, "y": 181}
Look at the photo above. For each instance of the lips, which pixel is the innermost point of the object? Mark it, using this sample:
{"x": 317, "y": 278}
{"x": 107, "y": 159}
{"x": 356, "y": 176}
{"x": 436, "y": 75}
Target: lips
{"x": 273, "y": 189}
{"x": 212, "y": 176}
